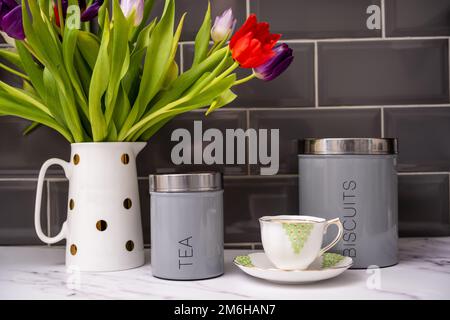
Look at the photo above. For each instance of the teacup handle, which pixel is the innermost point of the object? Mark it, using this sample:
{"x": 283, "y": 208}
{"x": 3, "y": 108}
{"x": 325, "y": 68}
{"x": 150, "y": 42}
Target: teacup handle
{"x": 37, "y": 209}
{"x": 338, "y": 223}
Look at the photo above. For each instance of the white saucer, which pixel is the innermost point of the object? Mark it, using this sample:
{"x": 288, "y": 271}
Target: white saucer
{"x": 327, "y": 266}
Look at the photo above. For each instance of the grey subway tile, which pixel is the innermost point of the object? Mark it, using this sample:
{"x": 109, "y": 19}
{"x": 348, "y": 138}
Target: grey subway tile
{"x": 238, "y": 246}
{"x": 17, "y": 200}
{"x": 320, "y": 123}
{"x": 59, "y": 193}
{"x": 417, "y": 18}
{"x": 9, "y": 78}
{"x": 156, "y": 157}
{"x": 423, "y": 137}
{"x": 196, "y": 12}
{"x": 294, "y": 88}
{"x": 144, "y": 196}
{"x": 383, "y": 72}
{"x": 300, "y": 19}
{"x": 424, "y": 205}
{"x": 26, "y": 154}
{"x": 247, "y": 199}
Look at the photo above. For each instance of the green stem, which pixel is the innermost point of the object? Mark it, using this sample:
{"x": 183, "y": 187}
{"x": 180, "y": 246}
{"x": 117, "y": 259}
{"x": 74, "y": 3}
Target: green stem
{"x": 17, "y": 73}
{"x": 30, "y": 50}
{"x": 214, "y": 46}
{"x": 243, "y": 80}
{"x": 61, "y": 17}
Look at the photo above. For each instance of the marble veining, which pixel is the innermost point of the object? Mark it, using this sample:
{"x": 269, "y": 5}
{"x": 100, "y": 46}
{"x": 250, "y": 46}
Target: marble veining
{"x": 40, "y": 273}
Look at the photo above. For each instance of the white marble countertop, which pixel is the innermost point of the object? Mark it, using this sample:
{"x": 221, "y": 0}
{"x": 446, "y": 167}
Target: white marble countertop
{"x": 39, "y": 273}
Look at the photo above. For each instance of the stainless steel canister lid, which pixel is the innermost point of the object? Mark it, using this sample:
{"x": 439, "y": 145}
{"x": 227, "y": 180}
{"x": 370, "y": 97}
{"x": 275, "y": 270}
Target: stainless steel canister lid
{"x": 361, "y": 146}
{"x": 186, "y": 182}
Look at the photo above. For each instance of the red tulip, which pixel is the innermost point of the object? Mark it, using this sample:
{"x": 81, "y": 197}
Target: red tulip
{"x": 252, "y": 45}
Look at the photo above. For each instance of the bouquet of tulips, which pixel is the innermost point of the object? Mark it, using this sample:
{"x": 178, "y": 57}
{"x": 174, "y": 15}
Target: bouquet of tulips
{"x": 98, "y": 71}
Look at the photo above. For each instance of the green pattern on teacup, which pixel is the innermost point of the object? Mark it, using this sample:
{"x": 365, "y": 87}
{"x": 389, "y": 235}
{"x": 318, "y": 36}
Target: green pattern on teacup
{"x": 331, "y": 259}
{"x": 244, "y": 261}
{"x": 298, "y": 233}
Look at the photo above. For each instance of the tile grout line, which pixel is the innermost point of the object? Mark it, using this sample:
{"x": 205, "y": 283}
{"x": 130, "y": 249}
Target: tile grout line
{"x": 422, "y": 173}
{"x": 19, "y": 179}
{"x": 49, "y": 230}
{"x": 316, "y": 75}
{"x": 247, "y": 113}
{"x": 448, "y": 52}
{"x": 427, "y": 106}
{"x": 375, "y": 39}
{"x": 383, "y": 19}
{"x": 181, "y": 58}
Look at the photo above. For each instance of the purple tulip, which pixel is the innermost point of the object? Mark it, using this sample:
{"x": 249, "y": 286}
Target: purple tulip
{"x": 276, "y": 65}
{"x": 223, "y": 26}
{"x": 128, "y": 6}
{"x": 92, "y": 11}
{"x": 11, "y": 19}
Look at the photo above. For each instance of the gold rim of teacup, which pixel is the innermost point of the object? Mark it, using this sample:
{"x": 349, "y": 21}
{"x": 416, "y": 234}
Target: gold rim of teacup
{"x": 292, "y": 219}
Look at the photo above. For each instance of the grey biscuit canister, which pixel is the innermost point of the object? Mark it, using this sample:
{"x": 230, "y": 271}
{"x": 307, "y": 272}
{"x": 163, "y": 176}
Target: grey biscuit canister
{"x": 186, "y": 226}
{"x": 355, "y": 180}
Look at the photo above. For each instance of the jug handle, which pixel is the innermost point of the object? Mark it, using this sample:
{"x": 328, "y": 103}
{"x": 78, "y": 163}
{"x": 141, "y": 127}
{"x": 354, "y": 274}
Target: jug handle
{"x": 37, "y": 209}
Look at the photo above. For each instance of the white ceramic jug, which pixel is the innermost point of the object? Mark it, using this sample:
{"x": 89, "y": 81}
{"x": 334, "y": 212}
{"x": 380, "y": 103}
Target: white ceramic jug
{"x": 103, "y": 227}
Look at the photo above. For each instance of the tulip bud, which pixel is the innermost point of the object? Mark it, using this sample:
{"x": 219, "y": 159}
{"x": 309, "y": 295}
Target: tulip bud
{"x": 276, "y": 65}
{"x": 11, "y": 19}
{"x": 92, "y": 11}
{"x": 133, "y": 6}
{"x": 223, "y": 26}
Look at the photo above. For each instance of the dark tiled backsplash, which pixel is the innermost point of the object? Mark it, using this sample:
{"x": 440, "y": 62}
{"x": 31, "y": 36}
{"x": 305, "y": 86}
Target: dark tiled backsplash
{"x": 424, "y": 205}
{"x": 346, "y": 81}
{"x": 302, "y": 19}
{"x": 383, "y": 72}
{"x": 417, "y": 18}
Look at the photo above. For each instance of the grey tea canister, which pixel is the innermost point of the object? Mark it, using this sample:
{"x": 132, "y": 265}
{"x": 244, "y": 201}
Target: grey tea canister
{"x": 354, "y": 179}
{"x": 186, "y": 225}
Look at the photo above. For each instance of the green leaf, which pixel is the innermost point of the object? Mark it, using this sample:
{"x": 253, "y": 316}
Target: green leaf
{"x": 225, "y": 98}
{"x": 143, "y": 39}
{"x": 89, "y": 45}
{"x": 47, "y": 48}
{"x": 152, "y": 130}
{"x": 84, "y": 71}
{"x": 32, "y": 69}
{"x": 172, "y": 75}
{"x": 123, "y": 108}
{"x": 23, "y": 95}
{"x": 202, "y": 38}
{"x": 11, "y": 57}
{"x": 204, "y": 98}
{"x": 103, "y": 12}
{"x": 69, "y": 49}
{"x": 148, "y": 6}
{"x": 188, "y": 78}
{"x": 22, "y": 109}
{"x": 120, "y": 58}
{"x": 31, "y": 128}
{"x": 51, "y": 96}
{"x": 99, "y": 85}
{"x": 155, "y": 66}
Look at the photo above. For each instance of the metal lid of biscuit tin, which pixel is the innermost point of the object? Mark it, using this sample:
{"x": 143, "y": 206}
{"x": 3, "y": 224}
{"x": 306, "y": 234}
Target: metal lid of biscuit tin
{"x": 186, "y": 182}
{"x": 348, "y": 146}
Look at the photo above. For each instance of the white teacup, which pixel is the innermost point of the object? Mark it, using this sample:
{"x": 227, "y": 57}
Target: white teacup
{"x": 293, "y": 242}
